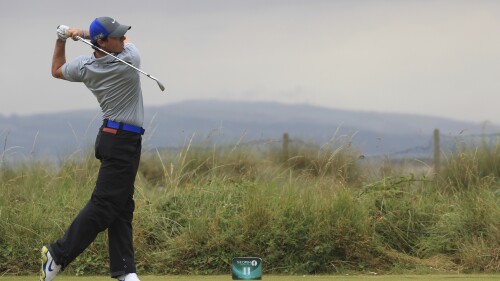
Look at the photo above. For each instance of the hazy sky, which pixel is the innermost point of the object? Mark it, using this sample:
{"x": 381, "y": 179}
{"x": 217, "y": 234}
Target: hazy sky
{"x": 438, "y": 58}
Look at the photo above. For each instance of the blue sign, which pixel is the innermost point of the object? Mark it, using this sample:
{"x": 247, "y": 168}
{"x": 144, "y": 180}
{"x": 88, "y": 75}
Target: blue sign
{"x": 247, "y": 268}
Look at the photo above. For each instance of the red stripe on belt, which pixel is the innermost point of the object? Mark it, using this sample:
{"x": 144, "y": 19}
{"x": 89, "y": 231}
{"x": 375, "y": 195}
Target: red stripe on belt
{"x": 109, "y": 130}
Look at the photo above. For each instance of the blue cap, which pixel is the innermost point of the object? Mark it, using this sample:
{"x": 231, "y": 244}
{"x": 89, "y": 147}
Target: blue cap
{"x": 105, "y": 26}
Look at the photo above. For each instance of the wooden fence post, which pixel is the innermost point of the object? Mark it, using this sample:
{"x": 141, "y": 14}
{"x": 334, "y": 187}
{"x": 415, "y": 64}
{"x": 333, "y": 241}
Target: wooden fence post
{"x": 286, "y": 141}
{"x": 437, "y": 152}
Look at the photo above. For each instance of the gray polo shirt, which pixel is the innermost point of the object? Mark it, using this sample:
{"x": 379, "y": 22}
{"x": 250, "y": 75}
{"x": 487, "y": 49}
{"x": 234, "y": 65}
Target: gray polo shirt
{"x": 116, "y": 86}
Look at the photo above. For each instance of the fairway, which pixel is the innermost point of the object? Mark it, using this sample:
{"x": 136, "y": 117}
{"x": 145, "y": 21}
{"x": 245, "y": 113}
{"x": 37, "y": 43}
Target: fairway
{"x": 455, "y": 277}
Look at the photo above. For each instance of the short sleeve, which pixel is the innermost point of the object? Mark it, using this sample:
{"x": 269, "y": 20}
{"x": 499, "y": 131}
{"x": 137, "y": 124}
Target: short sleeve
{"x": 72, "y": 70}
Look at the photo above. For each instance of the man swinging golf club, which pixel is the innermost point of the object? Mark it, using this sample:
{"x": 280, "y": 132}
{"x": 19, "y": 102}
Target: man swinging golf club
{"x": 117, "y": 88}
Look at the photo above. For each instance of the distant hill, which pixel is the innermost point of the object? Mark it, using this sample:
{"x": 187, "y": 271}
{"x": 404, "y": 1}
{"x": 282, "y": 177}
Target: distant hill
{"x": 221, "y": 122}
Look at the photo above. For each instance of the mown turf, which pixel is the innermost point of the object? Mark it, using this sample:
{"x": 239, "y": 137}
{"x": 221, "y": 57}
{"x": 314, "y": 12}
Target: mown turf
{"x": 454, "y": 277}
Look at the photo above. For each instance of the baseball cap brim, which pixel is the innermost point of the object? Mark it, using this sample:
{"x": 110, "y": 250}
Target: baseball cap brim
{"x": 120, "y": 31}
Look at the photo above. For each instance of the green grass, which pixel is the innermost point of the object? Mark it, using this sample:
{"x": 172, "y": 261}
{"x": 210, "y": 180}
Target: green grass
{"x": 454, "y": 277}
{"x": 317, "y": 211}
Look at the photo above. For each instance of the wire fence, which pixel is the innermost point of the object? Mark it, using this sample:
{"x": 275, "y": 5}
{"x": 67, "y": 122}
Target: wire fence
{"x": 435, "y": 145}
{"x": 429, "y": 149}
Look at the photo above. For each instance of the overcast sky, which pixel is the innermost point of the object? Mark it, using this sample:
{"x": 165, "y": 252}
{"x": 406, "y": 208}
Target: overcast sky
{"x": 439, "y": 58}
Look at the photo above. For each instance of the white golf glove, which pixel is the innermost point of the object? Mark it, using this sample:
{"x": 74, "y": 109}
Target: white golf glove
{"x": 62, "y": 32}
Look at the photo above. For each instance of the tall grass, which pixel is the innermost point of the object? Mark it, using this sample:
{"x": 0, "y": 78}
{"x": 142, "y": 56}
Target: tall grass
{"x": 316, "y": 211}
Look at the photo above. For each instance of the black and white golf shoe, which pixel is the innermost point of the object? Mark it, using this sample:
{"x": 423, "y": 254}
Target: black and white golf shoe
{"x": 49, "y": 267}
{"x": 129, "y": 277}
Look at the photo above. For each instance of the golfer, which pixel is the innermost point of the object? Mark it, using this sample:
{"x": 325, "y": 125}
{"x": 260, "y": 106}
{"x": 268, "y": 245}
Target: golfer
{"x": 117, "y": 88}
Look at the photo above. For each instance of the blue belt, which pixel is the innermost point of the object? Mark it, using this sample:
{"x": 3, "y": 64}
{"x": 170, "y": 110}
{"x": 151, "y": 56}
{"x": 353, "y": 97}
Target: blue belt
{"x": 124, "y": 127}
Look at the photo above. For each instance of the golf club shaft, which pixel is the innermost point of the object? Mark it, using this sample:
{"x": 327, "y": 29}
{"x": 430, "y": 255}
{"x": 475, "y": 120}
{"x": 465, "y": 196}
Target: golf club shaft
{"x": 128, "y": 64}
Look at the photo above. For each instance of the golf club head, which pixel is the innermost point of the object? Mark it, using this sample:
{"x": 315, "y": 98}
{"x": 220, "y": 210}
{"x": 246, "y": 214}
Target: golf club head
{"x": 162, "y": 88}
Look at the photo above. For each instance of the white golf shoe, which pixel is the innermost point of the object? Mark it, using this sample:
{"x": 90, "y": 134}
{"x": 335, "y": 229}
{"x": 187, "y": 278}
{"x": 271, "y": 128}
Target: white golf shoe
{"x": 129, "y": 277}
{"x": 49, "y": 267}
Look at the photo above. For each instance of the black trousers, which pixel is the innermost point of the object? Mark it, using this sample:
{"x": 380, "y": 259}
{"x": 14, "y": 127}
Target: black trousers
{"x": 110, "y": 207}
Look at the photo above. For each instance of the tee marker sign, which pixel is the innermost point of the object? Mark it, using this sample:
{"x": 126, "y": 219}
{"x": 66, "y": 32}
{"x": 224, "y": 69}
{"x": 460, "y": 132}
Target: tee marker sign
{"x": 247, "y": 268}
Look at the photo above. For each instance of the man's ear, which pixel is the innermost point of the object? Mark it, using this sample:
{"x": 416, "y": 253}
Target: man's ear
{"x": 101, "y": 43}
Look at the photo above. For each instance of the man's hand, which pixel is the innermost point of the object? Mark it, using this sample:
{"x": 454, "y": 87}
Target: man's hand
{"x": 62, "y": 32}
{"x": 74, "y": 32}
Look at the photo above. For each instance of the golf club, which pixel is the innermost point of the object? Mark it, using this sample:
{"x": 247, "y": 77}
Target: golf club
{"x": 128, "y": 64}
